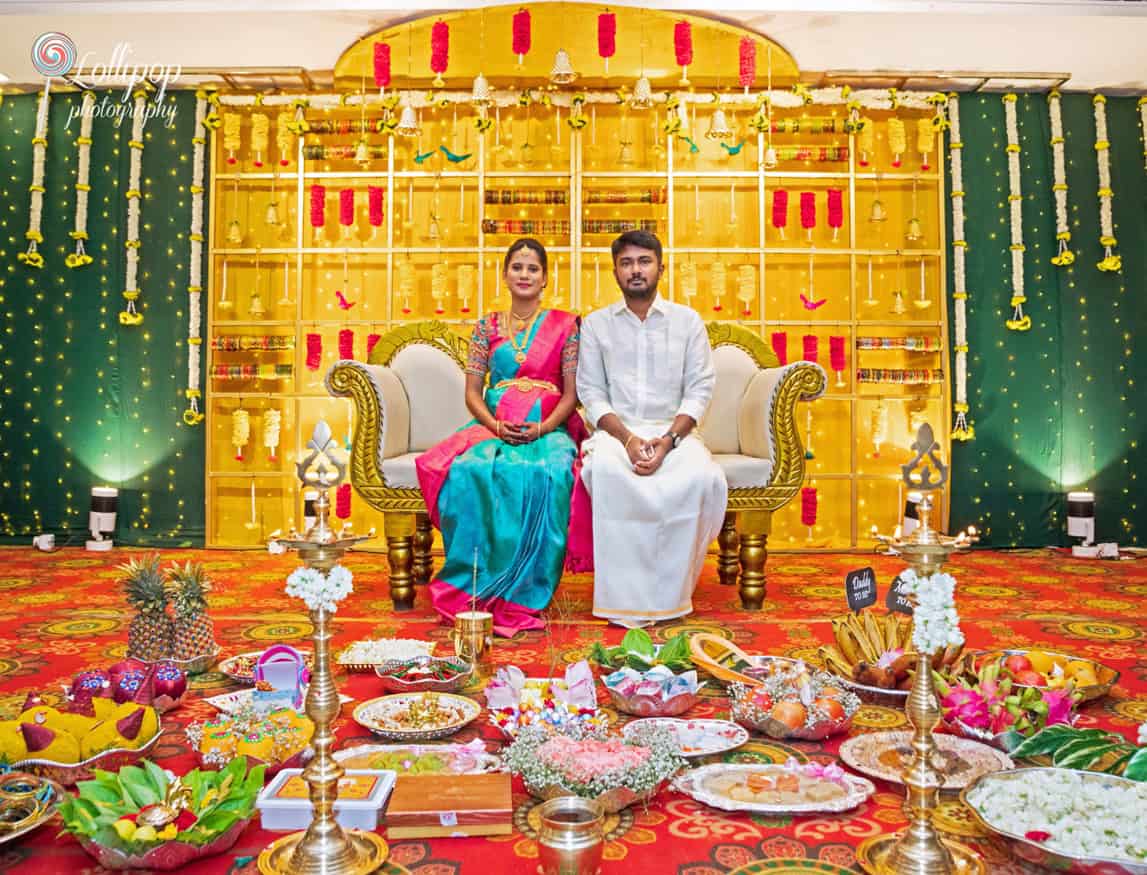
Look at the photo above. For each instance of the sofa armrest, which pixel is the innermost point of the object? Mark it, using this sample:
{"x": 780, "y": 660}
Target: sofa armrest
{"x": 382, "y": 415}
{"x": 766, "y": 422}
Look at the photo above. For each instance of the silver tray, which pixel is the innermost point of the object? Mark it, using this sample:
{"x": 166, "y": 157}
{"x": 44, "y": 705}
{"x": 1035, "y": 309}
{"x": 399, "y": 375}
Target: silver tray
{"x": 47, "y": 814}
{"x": 1040, "y": 854}
{"x": 691, "y": 783}
{"x": 863, "y": 753}
{"x": 367, "y": 715}
{"x": 68, "y": 774}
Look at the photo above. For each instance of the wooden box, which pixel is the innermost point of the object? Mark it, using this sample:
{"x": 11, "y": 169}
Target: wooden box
{"x": 426, "y": 806}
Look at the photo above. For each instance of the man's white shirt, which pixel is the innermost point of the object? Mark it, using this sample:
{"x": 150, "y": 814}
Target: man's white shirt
{"x": 645, "y": 371}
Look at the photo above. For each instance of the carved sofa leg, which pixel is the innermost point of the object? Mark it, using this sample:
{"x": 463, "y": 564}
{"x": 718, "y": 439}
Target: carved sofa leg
{"x": 728, "y": 565}
{"x": 399, "y": 528}
{"x": 423, "y": 541}
{"x": 755, "y": 527}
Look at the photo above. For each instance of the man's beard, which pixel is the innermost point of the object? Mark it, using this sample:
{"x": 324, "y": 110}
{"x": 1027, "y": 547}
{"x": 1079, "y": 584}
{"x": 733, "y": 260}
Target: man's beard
{"x": 640, "y": 294}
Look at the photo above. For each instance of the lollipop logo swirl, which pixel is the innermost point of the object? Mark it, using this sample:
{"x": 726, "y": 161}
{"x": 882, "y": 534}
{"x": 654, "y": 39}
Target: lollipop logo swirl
{"x": 53, "y": 54}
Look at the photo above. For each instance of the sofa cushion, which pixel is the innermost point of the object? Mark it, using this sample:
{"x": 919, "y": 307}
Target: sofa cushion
{"x": 436, "y": 389}
{"x": 755, "y": 421}
{"x": 399, "y": 472}
{"x": 735, "y": 368}
{"x": 395, "y": 409}
{"x": 744, "y": 472}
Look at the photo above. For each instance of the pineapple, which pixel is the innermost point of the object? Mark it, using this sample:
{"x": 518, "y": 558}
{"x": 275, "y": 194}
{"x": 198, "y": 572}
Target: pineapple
{"x": 149, "y": 636}
{"x": 194, "y": 630}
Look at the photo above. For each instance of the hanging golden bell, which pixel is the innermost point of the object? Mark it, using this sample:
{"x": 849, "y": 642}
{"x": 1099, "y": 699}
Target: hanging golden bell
{"x": 480, "y": 94}
{"x": 255, "y": 308}
{"x": 235, "y": 232}
{"x": 271, "y": 217}
{"x": 362, "y": 153}
{"x": 562, "y": 72}
{"x": 625, "y": 153}
{"x": 877, "y": 213}
{"x": 898, "y": 303}
{"x": 719, "y": 126}
{"x": 770, "y": 159}
{"x": 914, "y": 231}
{"x": 642, "y": 94}
{"x": 408, "y": 122}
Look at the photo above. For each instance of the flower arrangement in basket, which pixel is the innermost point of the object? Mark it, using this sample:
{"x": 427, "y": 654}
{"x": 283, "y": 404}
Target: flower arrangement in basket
{"x": 615, "y": 772}
{"x": 145, "y": 817}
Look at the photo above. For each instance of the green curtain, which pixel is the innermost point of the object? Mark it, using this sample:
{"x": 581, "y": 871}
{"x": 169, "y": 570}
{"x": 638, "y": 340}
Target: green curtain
{"x": 85, "y": 401}
{"x": 1054, "y": 408}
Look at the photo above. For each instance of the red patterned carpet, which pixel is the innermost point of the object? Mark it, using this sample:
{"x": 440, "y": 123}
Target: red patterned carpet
{"x": 63, "y": 612}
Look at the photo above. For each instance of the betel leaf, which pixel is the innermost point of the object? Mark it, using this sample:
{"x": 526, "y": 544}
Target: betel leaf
{"x": 1051, "y": 738}
{"x": 137, "y": 786}
{"x": 102, "y": 795}
{"x": 1078, "y": 751}
{"x": 1136, "y": 768}
{"x": 674, "y": 653}
{"x": 1084, "y": 757}
{"x": 638, "y": 642}
{"x": 158, "y": 777}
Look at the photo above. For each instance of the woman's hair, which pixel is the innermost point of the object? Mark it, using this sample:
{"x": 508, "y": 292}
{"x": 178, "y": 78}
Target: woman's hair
{"x": 526, "y": 243}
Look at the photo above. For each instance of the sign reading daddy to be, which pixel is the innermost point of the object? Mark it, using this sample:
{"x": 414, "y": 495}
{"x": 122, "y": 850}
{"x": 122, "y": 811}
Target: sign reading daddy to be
{"x": 860, "y": 588}
{"x": 897, "y": 599}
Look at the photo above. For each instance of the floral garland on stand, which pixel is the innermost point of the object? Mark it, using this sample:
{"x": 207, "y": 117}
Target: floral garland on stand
{"x": 32, "y": 257}
{"x": 320, "y": 592}
{"x": 129, "y": 315}
{"x": 961, "y": 430}
{"x": 1018, "y": 322}
{"x": 1064, "y": 256}
{"x": 935, "y": 623}
{"x": 83, "y": 173}
{"x": 1111, "y": 261}
{"x": 192, "y": 415}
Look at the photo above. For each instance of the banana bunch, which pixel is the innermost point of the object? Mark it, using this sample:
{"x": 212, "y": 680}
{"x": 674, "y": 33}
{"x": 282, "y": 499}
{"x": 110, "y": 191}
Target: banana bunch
{"x": 870, "y": 649}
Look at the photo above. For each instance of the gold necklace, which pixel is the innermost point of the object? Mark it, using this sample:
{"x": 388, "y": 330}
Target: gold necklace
{"x": 523, "y": 328}
{"x": 520, "y": 322}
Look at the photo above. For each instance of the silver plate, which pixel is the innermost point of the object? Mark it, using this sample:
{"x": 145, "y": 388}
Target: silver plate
{"x": 372, "y": 715}
{"x": 856, "y": 790}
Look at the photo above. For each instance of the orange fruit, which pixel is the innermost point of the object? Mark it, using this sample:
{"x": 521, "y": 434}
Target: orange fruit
{"x": 791, "y": 714}
{"x": 831, "y": 708}
{"x": 1041, "y": 661}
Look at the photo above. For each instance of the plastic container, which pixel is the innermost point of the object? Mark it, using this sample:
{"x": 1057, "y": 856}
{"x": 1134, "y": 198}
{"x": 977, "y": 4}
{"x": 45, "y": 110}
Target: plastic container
{"x": 285, "y": 804}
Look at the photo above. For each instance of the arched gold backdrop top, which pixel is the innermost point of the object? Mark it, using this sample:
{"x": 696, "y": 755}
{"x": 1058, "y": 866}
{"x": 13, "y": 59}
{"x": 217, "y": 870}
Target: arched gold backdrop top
{"x": 321, "y": 240}
{"x": 481, "y": 42}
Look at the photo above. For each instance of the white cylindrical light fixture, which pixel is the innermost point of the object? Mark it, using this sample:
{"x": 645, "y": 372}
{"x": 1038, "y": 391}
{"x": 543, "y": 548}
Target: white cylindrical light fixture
{"x": 1081, "y": 516}
{"x": 102, "y": 517}
{"x": 911, "y": 513}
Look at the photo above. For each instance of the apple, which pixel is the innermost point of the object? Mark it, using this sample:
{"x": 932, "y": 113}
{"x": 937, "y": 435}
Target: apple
{"x": 831, "y": 708}
{"x": 1029, "y": 678}
{"x": 1017, "y": 663}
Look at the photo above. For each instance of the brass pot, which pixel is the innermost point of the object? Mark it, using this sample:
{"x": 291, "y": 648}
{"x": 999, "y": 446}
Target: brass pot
{"x": 570, "y": 837}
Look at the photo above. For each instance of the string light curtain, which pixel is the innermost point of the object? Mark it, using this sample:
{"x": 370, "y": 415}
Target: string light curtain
{"x": 1055, "y": 407}
{"x": 101, "y": 403}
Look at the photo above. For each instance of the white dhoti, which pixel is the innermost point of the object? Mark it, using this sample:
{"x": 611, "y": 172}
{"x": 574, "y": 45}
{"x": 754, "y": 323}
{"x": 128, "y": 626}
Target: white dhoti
{"x": 651, "y": 533}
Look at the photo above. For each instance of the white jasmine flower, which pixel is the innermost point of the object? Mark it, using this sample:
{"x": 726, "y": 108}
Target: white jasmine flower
{"x": 936, "y": 625}
{"x": 320, "y": 591}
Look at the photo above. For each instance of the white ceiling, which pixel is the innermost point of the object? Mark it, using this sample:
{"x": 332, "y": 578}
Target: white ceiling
{"x": 1097, "y": 43}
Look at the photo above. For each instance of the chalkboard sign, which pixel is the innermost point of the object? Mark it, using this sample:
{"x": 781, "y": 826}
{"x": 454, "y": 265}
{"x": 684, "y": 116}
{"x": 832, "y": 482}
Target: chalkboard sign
{"x": 897, "y": 599}
{"x": 860, "y": 588}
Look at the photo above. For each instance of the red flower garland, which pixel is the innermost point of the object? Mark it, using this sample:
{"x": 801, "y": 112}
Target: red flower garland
{"x": 748, "y": 67}
{"x": 342, "y": 502}
{"x": 811, "y": 347}
{"x": 318, "y": 205}
{"x": 346, "y": 343}
{"x": 808, "y": 210}
{"x": 314, "y": 351}
{"x": 808, "y": 506}
{"x": 683, "y": 43}
{"x": 835, "y": 207}
{"x": 606, "y": 35}
{"x": 780, "y": 344}
{"x": 381, "y": 64}
{"x": 521, "y": 25}
{"x": 836, "y": 352}
{"x": 371, "y": 340}
{"x": 439, "y": 47}
{"x": 374, "y": 198}
{"x": 346, "y": 206}
{"x": 780, "y": 208}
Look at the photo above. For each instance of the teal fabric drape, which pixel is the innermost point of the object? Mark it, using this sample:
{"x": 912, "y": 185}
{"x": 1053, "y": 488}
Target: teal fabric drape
{"x": 1055, "y": 408}
{"x": 85, "y": 401}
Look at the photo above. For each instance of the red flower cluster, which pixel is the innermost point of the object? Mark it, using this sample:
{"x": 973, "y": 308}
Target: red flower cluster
{"x": 780, "y": 344}
{"x": 346, "y": 343}
{"x": 811, "y": 347}
{"x": 371, "y": 340}
{"x": 521, "y": 26}
{"x": 808, "y": 210}
{"x": 314, "y": 351}
{"x": 780, "y": 209}
{"x": 748, "y": 63}
{"x": 836, "y": 352}
{"x": 381, "y": 65}
{"x": 346, "y": 206}
{"x": 835, "y": 208}
{"x": 318, "y": 205}
{"x": 606, "y": 34}
{"x": 808, "y": 506}
{"x": 683, "y": 43}
{"x": 374, "y": 198}
{"x": 342, "y": 502}
{"x": 439, "y": 47}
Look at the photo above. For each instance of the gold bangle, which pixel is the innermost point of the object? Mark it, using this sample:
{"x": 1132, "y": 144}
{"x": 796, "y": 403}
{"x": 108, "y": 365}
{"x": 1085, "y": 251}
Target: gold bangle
{"x": 631, "y": 438}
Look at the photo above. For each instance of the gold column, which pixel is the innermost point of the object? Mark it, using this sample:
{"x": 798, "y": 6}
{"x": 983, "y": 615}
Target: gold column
{"x": 728, "y": 562}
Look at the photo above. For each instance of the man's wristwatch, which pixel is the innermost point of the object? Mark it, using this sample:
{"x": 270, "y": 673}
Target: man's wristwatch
{"x": 673, "y": 436}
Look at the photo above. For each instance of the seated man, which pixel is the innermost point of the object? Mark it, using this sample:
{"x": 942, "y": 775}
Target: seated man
{"x": 645, "y": 375}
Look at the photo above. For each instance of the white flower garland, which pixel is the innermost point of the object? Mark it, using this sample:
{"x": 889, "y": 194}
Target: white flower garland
{"x": 1143, "y": 131}
{"x": 1018, "y": 322}
{"x": 1111, "y": 261}
{"x": 1064, "y": 256}
{"x": 32, "y": 257}
{"x": 192, "y": 415}
{"x": 961, "y": 430}
{"x": 272, "y": 422}
{"x": 83, "y": 173}
{"x": 240, "y": 431}
{"x": 935, "y": 623}
{"x": 321, "y": 592}
{"x": 129, "y": 315}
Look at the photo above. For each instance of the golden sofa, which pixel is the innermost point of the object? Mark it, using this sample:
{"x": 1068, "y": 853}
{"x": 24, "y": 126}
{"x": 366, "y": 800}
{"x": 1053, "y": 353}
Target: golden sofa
{"x": 410, "y": 395}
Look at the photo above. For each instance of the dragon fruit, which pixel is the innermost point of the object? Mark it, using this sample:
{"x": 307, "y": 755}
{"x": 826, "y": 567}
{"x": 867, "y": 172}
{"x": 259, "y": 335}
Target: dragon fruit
{"x": 966, "y": 705}
{"x": 1059, "y": 704}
